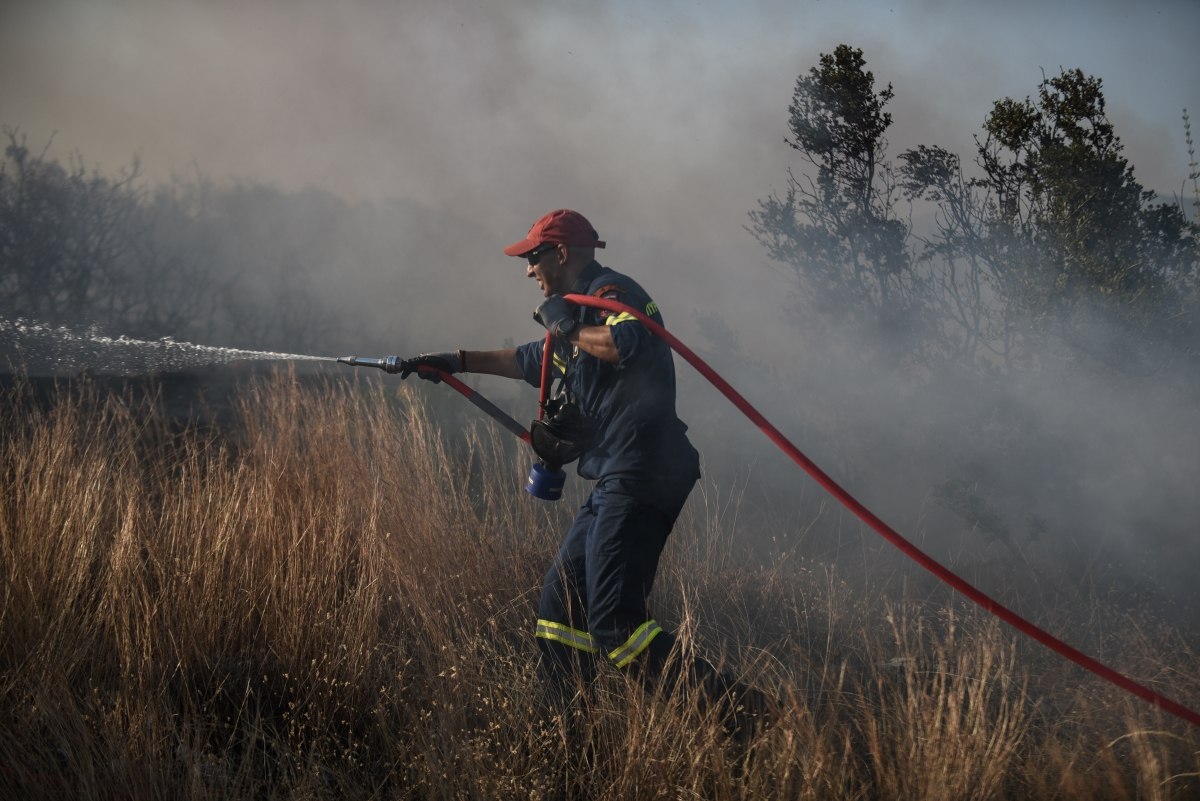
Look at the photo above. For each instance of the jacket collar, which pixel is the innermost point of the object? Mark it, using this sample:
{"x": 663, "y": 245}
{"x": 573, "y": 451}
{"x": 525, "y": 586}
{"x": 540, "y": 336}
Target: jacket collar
{"x": 589, "y": 274}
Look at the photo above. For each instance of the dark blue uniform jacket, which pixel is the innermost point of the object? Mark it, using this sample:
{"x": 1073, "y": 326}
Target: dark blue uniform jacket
{"x": 639, "y": 439}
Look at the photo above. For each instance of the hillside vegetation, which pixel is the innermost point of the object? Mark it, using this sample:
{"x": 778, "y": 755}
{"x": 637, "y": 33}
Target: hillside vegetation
{"x": 332, "y": 602}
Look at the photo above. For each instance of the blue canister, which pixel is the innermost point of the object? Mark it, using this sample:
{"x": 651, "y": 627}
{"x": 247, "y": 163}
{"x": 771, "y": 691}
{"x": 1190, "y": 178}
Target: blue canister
{"x": 545, "y": 483}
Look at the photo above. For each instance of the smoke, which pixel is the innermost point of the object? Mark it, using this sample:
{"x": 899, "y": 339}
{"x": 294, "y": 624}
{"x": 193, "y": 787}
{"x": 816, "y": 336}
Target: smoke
{"x": 500, "y": 111}
{"x": 392, "y": 149}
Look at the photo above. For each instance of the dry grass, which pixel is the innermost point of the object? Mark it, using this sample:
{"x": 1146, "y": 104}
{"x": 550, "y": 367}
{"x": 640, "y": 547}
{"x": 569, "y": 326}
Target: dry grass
{"x": 335, "y": 603}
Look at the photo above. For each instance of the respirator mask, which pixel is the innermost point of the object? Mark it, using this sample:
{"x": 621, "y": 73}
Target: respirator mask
{"x": 562, "y": 435}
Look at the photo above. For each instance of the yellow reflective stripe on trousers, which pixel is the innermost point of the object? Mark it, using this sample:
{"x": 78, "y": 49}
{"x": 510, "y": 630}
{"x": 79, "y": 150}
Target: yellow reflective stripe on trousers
{"x": 635, "y": 644}
{"x": 549, "y": 630}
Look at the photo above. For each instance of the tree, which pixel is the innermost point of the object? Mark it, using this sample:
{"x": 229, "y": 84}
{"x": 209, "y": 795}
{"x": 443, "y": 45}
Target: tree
{"x": 968, "y": 329}
{"x": 1079, "y": 259}
{"x": 838, "y": 230}
{"x": 61, "y": 235}
{"x": 1052, "y": 252}
{"x": 187, "y": 260}
{"x": 80, "y": 249}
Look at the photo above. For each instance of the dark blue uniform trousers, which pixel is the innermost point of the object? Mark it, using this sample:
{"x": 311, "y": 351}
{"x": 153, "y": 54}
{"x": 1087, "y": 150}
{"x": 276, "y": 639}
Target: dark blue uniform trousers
{"x": 594, "y": 596}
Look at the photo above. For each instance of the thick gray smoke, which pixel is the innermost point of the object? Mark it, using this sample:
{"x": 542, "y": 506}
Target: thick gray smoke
{"x": 352, "y": 171}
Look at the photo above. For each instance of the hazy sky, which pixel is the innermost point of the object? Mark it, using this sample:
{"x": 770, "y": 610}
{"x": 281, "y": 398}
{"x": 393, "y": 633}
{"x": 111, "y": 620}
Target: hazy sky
{"x": 661, "y": 120}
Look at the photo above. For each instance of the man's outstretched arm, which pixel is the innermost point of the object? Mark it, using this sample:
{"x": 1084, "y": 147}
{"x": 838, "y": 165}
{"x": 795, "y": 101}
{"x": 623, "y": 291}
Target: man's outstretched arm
{"x": 594, "y": 339}
{"x": 492, "y": 362}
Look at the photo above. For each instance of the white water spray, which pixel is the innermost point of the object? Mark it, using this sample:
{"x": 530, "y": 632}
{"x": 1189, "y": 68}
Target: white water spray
{"x": 40, "y": 346}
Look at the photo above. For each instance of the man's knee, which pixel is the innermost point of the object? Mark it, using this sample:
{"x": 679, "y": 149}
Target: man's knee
{"x": 561, "y": 600}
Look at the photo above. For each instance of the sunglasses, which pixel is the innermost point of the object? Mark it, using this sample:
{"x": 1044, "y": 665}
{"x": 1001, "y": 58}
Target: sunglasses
{"x": 536, "y": 254}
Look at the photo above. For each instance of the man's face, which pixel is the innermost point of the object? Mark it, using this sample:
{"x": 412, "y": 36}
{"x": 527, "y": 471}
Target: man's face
{"x": 547, "y": 265}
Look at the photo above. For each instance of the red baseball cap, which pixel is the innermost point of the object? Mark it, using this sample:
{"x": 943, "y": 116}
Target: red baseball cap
{"x": 562, "y": 227}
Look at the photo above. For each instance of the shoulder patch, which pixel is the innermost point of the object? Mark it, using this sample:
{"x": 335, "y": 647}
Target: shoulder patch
{"x": 610, "y": 292}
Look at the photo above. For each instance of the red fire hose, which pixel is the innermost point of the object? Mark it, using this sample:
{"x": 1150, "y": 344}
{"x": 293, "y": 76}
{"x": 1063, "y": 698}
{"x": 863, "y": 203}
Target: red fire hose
{"x": 490, "y": 408}
{"x": 547, "y": 363}
{"x": 906, "y": 547}
{"x": 485, "y": 405}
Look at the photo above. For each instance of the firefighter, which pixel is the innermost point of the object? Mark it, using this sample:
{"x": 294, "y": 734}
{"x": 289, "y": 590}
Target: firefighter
{"x": 622, "y": 378}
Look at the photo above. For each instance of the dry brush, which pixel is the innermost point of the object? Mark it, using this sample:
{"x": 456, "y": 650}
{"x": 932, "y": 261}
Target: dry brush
{"x": 336, "y": 600}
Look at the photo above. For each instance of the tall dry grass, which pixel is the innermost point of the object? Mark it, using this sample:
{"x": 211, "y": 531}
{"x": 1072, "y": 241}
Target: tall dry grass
{"x": 334, "y": 602}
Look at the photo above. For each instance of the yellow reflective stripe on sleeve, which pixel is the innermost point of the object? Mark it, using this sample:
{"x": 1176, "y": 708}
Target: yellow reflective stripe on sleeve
{"x": 623, "y": 317}
{"x": 549, "y": 630}
{"x": 560, "y": 363}
{"x": 635, "y": 644}
{"x": 651, "y": 307}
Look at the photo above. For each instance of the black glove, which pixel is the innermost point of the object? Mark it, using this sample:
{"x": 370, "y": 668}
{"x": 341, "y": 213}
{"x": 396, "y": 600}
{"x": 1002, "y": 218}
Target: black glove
{"x": 450, "y": 361}
{"x": 557, "y": 315}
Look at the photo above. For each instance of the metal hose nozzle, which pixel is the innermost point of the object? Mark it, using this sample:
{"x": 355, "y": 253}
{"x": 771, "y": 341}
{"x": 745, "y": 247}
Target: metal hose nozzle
{"x": 389, "y": 364}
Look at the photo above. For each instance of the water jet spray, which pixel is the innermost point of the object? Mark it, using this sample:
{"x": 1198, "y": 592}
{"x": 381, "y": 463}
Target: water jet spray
{"x": 63, "y": 348}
